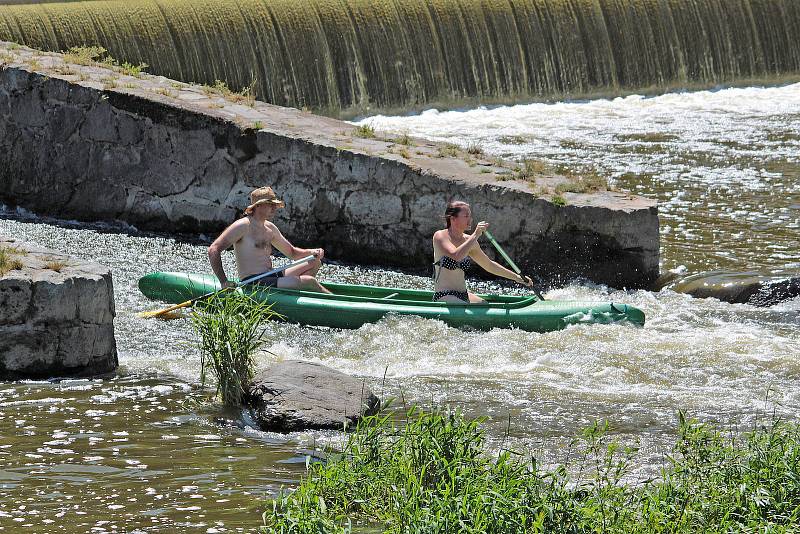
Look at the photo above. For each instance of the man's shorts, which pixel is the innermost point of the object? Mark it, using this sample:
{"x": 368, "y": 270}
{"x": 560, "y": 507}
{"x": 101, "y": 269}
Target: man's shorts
{"x": 268, "y": 281}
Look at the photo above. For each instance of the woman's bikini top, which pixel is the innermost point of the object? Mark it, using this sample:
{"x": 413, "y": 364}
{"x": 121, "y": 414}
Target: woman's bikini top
{"x": 446, "y": 262}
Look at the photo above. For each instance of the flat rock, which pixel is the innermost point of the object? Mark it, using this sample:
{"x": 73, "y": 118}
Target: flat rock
{"x": 295, "y": 395}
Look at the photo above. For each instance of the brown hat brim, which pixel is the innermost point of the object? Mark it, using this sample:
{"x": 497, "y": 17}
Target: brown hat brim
{"x": 275, "y": 201}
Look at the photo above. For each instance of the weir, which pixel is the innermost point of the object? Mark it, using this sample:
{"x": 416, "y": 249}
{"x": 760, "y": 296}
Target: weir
{"x": 356, "y": 56}
{"x": 90, "y": 142}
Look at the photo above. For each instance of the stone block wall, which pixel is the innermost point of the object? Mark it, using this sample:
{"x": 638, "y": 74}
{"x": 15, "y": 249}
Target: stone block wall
{"x": 56, "y": 316}
{"x": 174, "y": 157}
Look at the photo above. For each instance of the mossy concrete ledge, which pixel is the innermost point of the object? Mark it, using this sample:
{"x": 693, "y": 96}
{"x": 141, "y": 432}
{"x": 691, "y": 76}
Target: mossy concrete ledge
{"x": 92, "y": 142}
{"x": 56, "y": 315}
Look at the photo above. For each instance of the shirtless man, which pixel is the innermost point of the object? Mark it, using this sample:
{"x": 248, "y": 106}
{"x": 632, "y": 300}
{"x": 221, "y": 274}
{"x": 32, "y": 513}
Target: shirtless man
{"x": 253, "y": 237}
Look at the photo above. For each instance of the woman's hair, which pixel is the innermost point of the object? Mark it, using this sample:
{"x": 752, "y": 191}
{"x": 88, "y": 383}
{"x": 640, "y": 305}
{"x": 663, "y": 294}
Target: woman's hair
{"x": 453, "y": 209}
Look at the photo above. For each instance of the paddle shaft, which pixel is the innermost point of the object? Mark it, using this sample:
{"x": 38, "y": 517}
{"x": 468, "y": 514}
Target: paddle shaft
{"x": 502, "y": 252}
{"x": 511, "y": 263}
{"x": 248, "y": 280}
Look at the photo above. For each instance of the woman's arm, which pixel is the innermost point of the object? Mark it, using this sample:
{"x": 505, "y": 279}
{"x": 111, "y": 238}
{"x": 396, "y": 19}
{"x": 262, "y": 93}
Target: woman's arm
{"x": 461, "y": 251}
{"x": 495, "y": 268}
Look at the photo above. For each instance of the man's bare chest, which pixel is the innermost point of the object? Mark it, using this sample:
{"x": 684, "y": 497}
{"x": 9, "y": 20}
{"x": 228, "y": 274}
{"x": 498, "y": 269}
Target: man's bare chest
{"x": 258, "y": 238}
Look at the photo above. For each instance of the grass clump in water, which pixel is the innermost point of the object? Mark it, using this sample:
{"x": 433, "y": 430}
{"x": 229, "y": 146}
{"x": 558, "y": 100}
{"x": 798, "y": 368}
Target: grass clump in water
{"x": 231, "y": 327}
{"x": 434, "y": 476}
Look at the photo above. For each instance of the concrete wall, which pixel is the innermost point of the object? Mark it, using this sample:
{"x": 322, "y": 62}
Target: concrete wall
{"x": 91, "y": 143}
{"x": 56, "y": 316}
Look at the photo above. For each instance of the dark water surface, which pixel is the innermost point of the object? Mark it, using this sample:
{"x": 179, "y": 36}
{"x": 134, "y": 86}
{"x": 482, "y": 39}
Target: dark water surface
{"x": 146, "y": 452}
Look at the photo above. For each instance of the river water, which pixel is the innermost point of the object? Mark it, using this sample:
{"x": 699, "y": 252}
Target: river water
{"x": 146, "y": 452}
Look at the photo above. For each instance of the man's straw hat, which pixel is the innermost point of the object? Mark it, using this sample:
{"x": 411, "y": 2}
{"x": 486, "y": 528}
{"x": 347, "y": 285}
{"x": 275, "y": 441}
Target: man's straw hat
{"x": 263, "y": 195}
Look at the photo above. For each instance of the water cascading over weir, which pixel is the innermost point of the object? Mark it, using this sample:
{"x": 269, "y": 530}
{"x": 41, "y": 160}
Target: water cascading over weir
{"x": 354, "y": 56}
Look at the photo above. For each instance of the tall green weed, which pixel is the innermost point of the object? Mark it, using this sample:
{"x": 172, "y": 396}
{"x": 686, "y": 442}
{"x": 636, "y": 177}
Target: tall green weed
{"x": 231, "y": 328}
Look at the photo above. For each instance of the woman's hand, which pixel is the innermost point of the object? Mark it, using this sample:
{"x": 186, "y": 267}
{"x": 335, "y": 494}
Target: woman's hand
{"x": 525, "y": 280}
{"x": 480, "y": 228}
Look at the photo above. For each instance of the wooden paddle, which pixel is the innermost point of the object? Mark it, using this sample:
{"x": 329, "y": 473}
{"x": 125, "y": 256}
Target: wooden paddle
{"x": 510, "y": 262}
{"x": 249, "y": 280}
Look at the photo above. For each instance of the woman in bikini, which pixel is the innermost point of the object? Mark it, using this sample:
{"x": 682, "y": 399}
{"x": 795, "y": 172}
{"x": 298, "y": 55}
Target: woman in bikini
{"x": 453, "y": 253}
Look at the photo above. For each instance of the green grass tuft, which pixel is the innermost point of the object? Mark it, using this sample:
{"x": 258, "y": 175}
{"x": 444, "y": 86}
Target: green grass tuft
{"x": 475, "y": 149}
{"x": 529, "y": 169}
{"x": 447, "y": 150}
{"x": 365, "y": 131}
{"x": 231, "y": 328}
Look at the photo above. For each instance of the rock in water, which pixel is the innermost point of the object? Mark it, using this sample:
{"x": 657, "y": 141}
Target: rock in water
{"x": 294, "y": 395}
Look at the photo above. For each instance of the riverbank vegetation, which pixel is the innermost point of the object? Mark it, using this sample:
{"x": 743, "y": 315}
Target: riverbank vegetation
{"x": 231, "y": 328}
{"x": 432, "y": 474}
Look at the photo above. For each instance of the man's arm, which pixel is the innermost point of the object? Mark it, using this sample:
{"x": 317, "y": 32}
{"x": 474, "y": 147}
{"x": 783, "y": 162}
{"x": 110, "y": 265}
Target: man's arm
{"x": 227, "y": 238}
{"x": 291, "y": 251}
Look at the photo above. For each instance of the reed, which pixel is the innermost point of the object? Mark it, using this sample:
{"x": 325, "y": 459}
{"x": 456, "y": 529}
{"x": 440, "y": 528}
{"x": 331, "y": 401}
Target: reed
{"x": 433, "y": 475}
{"x": 231, "y": 327}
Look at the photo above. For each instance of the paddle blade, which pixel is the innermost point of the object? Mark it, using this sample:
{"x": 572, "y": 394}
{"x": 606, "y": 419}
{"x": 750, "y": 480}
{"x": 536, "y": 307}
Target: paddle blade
{"x": 168, "y": 316}
{"x": 160, "y": 314}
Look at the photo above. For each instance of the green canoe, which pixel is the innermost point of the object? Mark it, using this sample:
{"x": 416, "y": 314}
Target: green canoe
{"x": 351, "y": 306}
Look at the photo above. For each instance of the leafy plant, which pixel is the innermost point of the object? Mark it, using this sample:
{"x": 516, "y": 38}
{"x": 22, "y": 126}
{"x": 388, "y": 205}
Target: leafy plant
{"x": 85, "y": 55}
{"x": 246, "y": 95}
{"x": 132, "y": 70}
{"x": 365, "y": 131}
{"x": 231, "y": 327}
